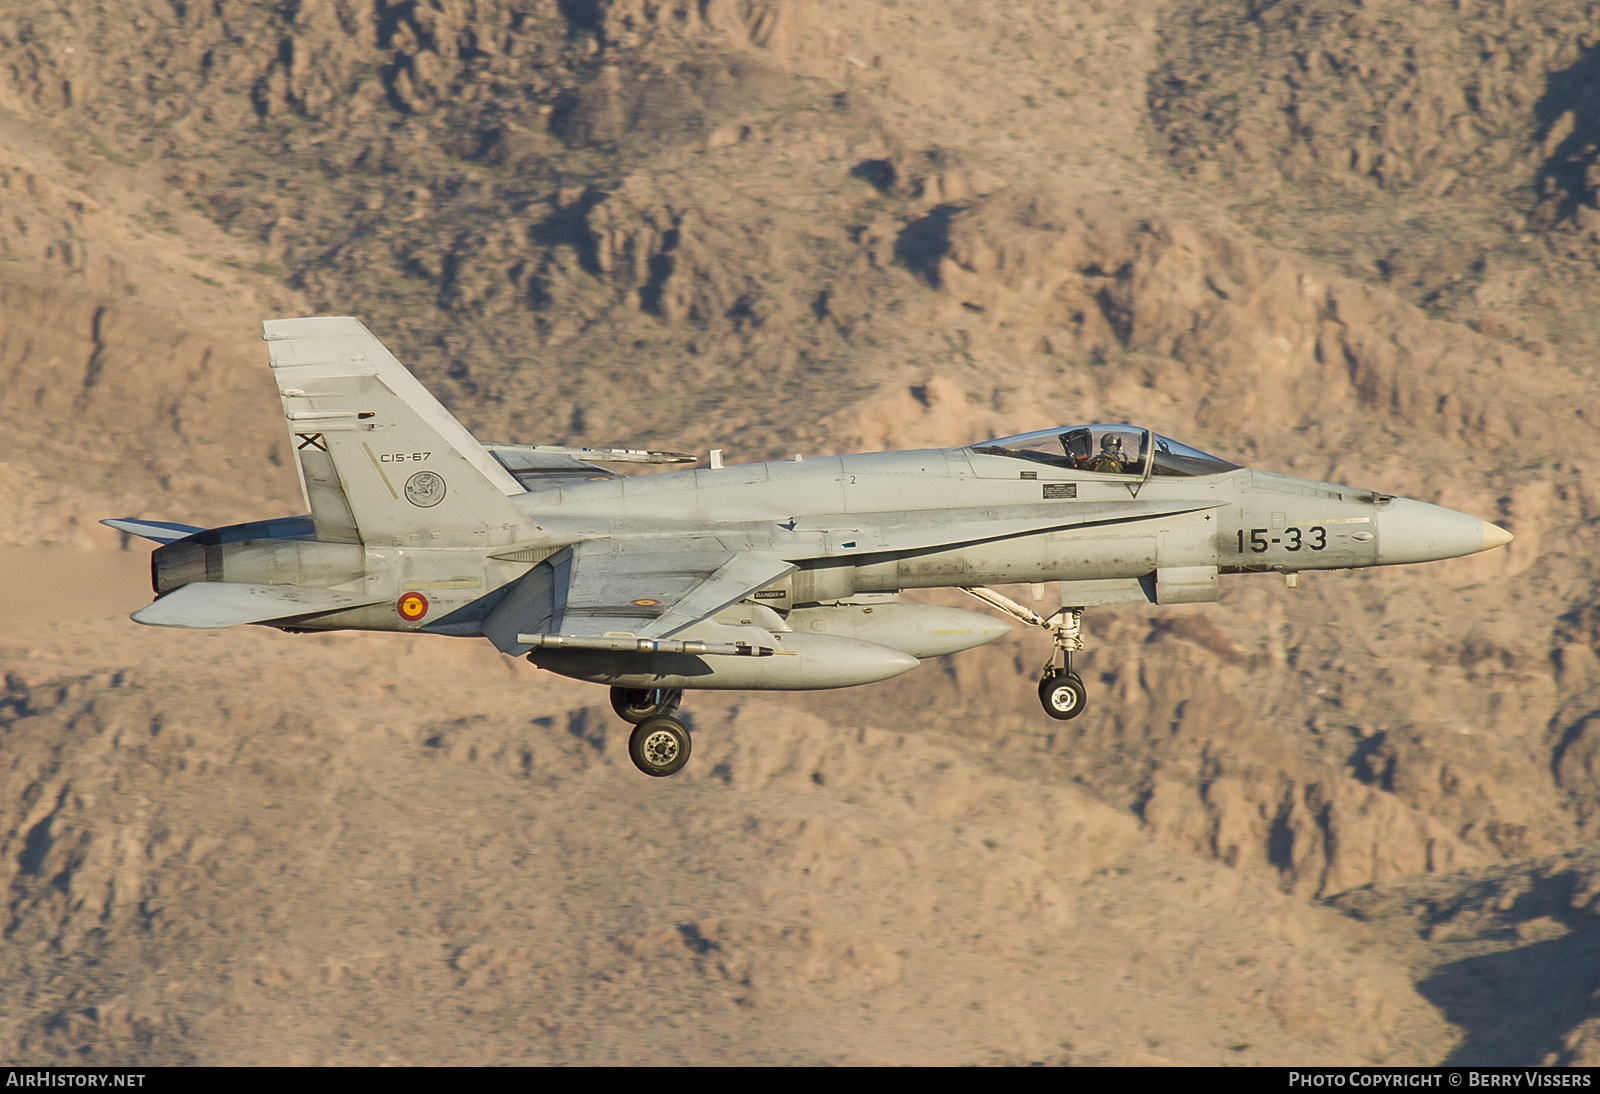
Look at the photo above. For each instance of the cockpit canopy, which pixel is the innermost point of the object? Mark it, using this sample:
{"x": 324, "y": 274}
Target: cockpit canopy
{"x": 1128, "y": 450}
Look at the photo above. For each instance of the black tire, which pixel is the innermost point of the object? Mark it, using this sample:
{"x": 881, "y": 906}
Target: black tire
{"x": 635, "y": 705}
{"x": 659, "y": 746}
{"x": 1063, "y": 697}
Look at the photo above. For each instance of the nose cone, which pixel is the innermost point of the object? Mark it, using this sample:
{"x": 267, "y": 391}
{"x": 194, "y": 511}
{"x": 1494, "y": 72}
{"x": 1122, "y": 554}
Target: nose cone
{"x": 1414, "y": 531}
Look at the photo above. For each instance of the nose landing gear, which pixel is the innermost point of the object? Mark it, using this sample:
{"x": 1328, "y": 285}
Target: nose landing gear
{"x": 1061, "y": 691}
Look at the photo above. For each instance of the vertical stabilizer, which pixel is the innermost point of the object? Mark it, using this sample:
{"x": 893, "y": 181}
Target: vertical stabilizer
{"x": 380, "y": 460}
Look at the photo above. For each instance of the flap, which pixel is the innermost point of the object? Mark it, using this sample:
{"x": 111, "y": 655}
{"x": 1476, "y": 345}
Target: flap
{"x": 654, "y": 588}
{"x": 230, "y": 603}
{"x": 637, "y": 588}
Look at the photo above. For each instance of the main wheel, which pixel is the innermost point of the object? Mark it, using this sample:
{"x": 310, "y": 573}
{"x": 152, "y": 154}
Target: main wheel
{"x": 1063, "y": 696}
{"x": 659, "y": 746}
{"x": 634, "y": 705}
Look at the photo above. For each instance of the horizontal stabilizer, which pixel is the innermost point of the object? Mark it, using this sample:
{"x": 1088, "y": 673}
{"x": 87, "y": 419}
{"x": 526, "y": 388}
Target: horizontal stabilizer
{"x": 229, "y": 603}
{"x": 161, "y": 531}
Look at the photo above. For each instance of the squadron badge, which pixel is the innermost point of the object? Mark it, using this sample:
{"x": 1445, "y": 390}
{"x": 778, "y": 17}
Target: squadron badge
{"x": 425, "y": 489}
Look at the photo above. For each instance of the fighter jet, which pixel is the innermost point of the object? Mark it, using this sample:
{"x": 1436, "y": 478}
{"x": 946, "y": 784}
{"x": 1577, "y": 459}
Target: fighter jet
{"x": 782, "y": 575}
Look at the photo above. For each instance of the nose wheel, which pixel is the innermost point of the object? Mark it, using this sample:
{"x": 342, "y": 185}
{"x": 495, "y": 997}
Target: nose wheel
{"x": 1062, "y": 696}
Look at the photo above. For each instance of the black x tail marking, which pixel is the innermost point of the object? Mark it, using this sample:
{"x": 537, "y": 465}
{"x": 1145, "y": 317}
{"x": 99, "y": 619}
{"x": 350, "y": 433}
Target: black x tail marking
{"x": 311, "y": 440}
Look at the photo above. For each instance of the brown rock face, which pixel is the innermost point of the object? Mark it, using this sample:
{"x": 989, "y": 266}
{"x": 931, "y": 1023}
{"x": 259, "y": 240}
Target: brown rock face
{"x": 1345, "y": 240}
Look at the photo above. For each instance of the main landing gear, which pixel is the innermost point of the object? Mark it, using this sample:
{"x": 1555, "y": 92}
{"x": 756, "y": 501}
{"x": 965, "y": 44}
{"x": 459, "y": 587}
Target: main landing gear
{"x": 660, "y": 744}
{"x": 1061, "y": 690}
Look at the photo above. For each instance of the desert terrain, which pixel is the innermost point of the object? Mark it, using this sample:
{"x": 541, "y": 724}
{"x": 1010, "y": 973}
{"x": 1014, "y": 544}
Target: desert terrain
{"x": 1353, "y": 240}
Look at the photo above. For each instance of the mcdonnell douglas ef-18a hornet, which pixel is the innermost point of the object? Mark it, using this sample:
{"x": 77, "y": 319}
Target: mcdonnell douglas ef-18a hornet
{"x": 768, "y": 576}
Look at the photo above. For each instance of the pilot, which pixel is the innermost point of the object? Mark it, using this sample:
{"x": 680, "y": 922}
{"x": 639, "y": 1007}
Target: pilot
{"x": 1113, "y": 460}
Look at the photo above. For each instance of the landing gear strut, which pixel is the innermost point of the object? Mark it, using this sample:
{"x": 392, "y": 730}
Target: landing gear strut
{"x": 1061, "y": 690}
{"x": 634, "y": 705}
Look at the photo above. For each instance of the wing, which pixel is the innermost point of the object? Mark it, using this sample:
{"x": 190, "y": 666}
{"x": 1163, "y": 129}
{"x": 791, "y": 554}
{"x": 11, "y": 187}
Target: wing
{"x": 655, "y": 588}
{"x": 229, "y": 603}
{"x": 542, "y": 466}
{"x": 643, "y": 589}
{"x": 538, "y": 469}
